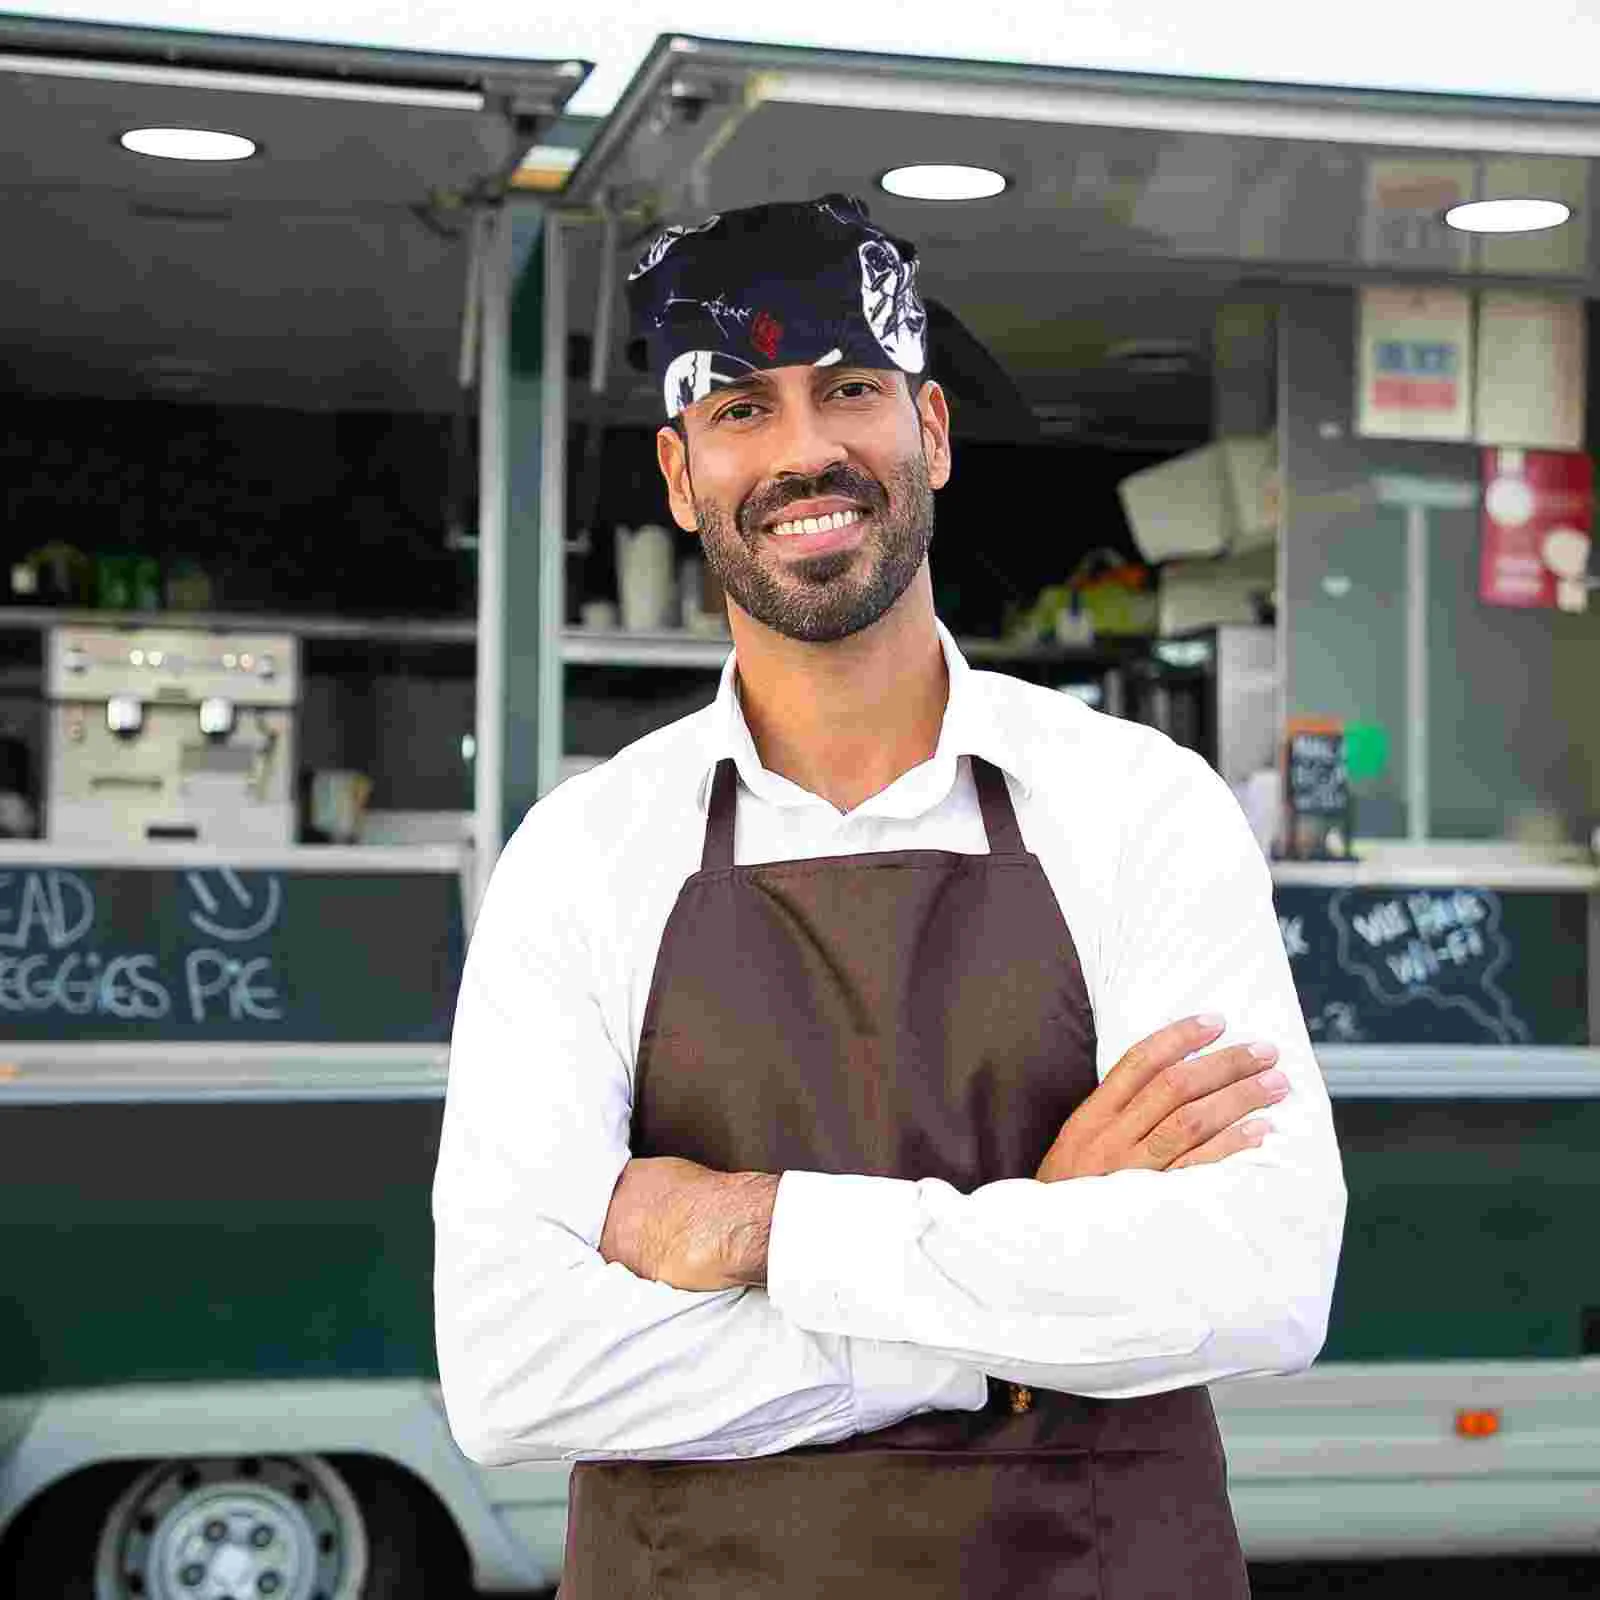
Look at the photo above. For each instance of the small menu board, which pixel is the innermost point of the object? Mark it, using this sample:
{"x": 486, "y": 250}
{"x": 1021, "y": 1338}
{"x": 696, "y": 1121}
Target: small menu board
{"x": 223, "y": 953}
{"x": 1316, "y": 789}
{"x": 1412, "y": 964}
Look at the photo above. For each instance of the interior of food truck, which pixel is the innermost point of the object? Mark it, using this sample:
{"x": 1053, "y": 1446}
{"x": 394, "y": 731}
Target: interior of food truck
{"x": 240, "y": 390}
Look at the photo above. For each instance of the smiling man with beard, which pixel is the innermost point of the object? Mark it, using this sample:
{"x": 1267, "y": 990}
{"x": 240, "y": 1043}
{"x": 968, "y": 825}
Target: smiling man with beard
{"x": 852, "y": 1155}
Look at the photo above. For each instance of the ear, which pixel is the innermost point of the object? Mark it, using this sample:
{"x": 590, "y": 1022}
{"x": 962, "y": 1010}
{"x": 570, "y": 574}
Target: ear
{"x": 672, "y": 456}
{"x": 933, "y": 417}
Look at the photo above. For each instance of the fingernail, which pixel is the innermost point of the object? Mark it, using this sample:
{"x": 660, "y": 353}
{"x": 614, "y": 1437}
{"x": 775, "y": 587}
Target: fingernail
{"x": 1212, "y": 1021}
{"x": 1255, "y": 1132}
{"x": 1273, "y": 1082}
{"x": 1263, "y": 1051}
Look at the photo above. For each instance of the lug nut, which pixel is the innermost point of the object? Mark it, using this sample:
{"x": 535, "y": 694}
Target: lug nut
{"x": 192, "y": 1576}
{"x": 261, "y": 1536}
{"x": 216, "y": 1531}
{"x": 268, "y": 1582}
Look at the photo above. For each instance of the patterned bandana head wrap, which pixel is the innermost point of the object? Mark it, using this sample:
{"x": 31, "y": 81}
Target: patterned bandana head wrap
{"x": 807, "y": 283}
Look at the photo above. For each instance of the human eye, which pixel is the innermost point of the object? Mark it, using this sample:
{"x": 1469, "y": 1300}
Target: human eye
{"x": 737, "y": 411}
{"x": 854, "y": 389}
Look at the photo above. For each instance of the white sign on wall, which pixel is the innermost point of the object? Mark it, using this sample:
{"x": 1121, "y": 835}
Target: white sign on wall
{"x": 1531, "y": 364}
{"x": 1415, "y": 370}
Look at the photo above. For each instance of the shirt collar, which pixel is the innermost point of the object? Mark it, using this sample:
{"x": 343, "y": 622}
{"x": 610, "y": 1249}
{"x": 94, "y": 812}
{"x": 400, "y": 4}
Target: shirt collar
{"x": 973, "y": 726}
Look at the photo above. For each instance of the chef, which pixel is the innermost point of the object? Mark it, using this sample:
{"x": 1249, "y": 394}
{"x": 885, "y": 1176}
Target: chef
{"x": 878, "y": 1102}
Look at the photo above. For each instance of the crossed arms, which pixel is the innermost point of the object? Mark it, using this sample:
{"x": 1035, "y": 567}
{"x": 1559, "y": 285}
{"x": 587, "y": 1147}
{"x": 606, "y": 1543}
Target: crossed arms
{"x": 686, "y": 1225}
{"x": 1143, "y": 1255}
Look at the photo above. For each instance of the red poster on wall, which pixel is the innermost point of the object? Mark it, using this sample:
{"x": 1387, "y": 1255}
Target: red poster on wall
{"x": 1538, "y": 513}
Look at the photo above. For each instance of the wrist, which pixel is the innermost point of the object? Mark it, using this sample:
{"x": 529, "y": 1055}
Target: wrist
{"x": 746, "y": 1204}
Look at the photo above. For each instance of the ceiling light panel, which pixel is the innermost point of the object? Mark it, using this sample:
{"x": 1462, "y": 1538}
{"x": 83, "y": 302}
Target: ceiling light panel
{"x": 942, "y": 182}
{"x": 1507, "y": 216}
{"x": 188, "y": 144}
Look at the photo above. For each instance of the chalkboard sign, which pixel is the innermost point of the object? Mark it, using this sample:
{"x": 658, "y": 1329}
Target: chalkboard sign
{"x": 1399, "y": 965}
{"x": 1319, "y": 780}
{"x": 145, "y": 953}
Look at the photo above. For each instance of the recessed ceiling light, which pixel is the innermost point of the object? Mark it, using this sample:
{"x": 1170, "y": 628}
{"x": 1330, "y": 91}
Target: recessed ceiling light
{"x": 942, "y": 183}
{"x": 188, "y": 144}
{"x": 1507, "y": 216}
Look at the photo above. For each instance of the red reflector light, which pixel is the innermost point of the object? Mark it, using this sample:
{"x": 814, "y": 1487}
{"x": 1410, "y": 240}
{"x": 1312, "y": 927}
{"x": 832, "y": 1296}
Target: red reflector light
{"x": 1477, "y": 1424}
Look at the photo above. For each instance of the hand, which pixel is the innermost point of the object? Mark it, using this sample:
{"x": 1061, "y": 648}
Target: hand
{"x": 1160, "y": 1111}
{"x": 687, "y": 1225}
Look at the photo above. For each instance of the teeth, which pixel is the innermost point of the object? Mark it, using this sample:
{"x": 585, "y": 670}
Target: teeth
{"x": 838, "y": 519}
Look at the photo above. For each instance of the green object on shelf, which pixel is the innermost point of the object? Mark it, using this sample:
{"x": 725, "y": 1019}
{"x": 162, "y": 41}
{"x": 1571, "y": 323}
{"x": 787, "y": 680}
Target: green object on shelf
{"x": 1366, "y": 749}
{"x": 126, "y": 582}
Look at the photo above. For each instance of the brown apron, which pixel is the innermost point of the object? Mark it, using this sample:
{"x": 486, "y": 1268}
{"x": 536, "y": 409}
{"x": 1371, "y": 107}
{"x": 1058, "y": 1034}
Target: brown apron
{"x": 911, "y": 1014}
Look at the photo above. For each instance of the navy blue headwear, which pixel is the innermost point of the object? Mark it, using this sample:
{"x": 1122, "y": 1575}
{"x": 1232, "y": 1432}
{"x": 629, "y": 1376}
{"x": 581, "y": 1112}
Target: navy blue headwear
{"x": 797, "y": 283}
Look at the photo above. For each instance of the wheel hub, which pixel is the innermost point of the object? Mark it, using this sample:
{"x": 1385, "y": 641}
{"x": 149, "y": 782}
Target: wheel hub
{"x": 264, "y": 1529}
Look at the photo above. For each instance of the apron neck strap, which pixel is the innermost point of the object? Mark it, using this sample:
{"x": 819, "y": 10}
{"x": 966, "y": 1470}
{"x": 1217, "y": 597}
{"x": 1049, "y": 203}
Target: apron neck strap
{"x": 994, "y": 799}
{"x": 718, "y": 852}
{"x": 999, "y": 815}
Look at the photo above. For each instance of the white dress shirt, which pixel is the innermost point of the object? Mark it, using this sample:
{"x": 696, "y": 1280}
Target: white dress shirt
{"x": 885, "y": 1297}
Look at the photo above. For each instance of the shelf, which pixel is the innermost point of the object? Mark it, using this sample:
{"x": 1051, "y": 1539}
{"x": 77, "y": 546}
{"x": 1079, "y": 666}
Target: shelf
{"x": 595, "y": 647}
{"x": 400, "y": 630}
{"x": 579, "y": 646}
{"x": 1459, "y": 1072}
{"x": 613, "y": 648}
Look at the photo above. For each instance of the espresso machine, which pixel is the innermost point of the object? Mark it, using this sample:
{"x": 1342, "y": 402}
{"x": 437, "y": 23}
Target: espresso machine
{"x": 170, "y": 734}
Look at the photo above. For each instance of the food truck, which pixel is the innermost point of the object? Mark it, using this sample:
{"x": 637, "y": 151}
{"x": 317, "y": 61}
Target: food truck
{"x": 1250, "y": 444}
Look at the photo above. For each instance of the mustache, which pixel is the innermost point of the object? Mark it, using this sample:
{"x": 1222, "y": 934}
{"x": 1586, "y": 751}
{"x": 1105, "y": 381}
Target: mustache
{"x": 846, "y": 483}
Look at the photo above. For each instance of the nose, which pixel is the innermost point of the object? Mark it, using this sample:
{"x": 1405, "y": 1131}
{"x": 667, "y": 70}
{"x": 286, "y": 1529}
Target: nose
{"x": 803, "y": 447}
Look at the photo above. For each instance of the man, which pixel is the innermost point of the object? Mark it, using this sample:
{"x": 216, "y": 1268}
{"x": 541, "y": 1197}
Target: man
{"x": 834, "y": 1162}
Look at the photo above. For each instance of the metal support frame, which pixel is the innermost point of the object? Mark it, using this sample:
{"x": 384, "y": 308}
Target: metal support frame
{"x": 1417, "y": 812}
{"x": 488, "y": 767}
{"x": 1419, "y": 496}
{"x": 552, "y": 503}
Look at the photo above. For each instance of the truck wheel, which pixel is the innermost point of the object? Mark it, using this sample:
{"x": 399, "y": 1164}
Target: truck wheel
{"x": 282, "y": 1528}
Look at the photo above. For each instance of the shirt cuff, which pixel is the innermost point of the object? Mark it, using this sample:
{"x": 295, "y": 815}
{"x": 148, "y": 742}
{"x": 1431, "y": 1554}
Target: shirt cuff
{"x": 838, "y": 1252}
{"x": 893, "y": 1381}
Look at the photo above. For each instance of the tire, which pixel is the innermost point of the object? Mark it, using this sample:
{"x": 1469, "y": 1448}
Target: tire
{"x": 292, "y": 1528}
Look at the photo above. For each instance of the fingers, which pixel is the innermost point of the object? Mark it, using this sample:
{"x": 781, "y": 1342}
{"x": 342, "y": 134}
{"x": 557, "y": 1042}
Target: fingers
{"x": 1195, "y": 1123}
{"x": 1186, "y": 1082}
{"x": 1142, "y": 1062}
{"x": 1228, "y": 1143}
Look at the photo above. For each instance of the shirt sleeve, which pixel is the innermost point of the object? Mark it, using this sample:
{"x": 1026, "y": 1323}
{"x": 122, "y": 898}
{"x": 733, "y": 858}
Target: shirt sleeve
{"x": 1138, "y": 1281}
{"x": 545, "y": 1350}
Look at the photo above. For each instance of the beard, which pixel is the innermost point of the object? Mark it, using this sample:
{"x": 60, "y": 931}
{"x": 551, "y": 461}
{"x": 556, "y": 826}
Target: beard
{"x": 827, "y": 597}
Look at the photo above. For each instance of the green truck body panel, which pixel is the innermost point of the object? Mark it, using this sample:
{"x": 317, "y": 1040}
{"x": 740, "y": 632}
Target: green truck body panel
{"x": 248, "y": 1241}
{"x": 1472, "y": 1230}
{"x": 216, "y": 1242}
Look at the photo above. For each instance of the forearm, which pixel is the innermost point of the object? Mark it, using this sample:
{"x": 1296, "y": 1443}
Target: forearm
{"x": 1109, "y": 1286}
{"x": 676, "y": 1222}
{"x": 546, "y": 1352}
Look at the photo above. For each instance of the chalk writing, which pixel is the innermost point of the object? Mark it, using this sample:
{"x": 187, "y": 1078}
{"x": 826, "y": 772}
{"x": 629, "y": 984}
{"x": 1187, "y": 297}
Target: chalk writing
{"x": 56, "y": 909}
{"x": 53, "y": 905}
{"x": 1452, "y": 965}
{"x": 241, "y": 986}
{"x": 81, "y": 984}
{"x": 231, "y": 911}
{"x": 1318, "y": 781}
{"x": 212, "y": 952}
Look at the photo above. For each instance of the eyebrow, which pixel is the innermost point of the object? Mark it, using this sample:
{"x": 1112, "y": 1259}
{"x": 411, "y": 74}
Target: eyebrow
{"x": 759, "y": 383}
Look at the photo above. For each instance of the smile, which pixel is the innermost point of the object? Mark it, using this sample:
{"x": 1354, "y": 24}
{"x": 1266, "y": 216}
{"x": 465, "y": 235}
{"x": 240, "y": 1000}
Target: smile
{"x": 838, "y": 519}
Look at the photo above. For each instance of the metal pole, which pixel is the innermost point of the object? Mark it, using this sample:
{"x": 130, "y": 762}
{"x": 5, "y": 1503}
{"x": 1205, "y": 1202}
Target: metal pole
{"x": 494, "y": 283}
{"x": 552, "y": 504}
{"x": 1416, "y": 673}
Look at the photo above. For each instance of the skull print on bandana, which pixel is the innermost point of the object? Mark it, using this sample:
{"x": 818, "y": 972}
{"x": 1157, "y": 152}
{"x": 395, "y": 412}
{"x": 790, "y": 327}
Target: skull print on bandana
{"x": 889, "y": 303}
